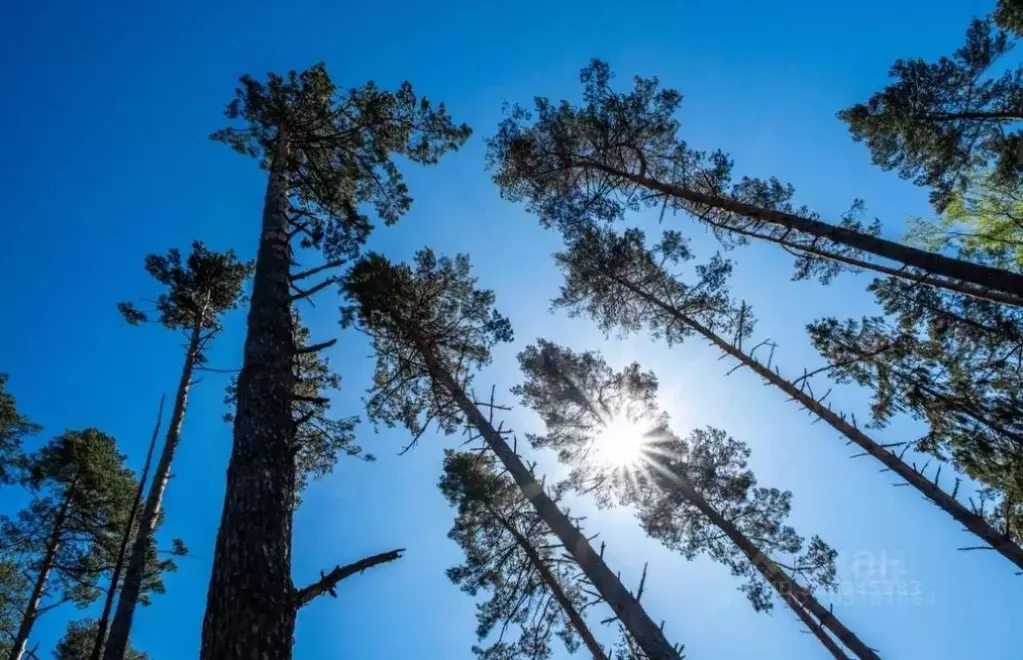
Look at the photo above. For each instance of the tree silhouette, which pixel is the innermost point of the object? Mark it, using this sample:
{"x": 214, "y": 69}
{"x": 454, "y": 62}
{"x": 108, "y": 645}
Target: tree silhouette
{"x": 940, "y": 120}
{"x": 68, "y": 535}
{"x": 509, "y": 553}
{"x": 431, "y": 329}
{"x": 79, "y": 642}
{"x": 617, "y": 152}
{"x": 627, "y": 287}
{"x": 13, "y": 427}
{"x": 696, "y": 495}
{"x": 328, "y": 155}
{"x": 199, "y": 291}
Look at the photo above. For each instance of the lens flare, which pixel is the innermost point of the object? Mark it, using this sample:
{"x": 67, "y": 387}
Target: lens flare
{"x": 621, "y": 443}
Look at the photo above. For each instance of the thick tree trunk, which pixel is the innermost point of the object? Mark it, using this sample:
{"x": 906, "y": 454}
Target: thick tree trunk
{"x": 625, "y": 606}
{"x": 559, "y": 594}
{"x": 52, "y": 546}
{"x": 250, "y": 607}
{"x": 972, "y": 521}
{"x": 122, "y": 551}
{"x": 794, "y": 595}
{"x": 986, "y": 277}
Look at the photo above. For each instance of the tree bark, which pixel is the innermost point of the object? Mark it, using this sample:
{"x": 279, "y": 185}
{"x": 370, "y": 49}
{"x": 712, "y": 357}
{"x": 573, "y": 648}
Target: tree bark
{"x": 115, "y": 577}
{"x": 794, "y": 595}
{"x": 52, "y": 546}
{"x": 972, "y": 521}
{"x": 250, "y": 606}
{"x": 817, "y": 629}
{"x": 1003, "y": 281}
{"x": 120, "y": 629}
{"x": 552, "y": 583}
{"x": 625, "y": 606}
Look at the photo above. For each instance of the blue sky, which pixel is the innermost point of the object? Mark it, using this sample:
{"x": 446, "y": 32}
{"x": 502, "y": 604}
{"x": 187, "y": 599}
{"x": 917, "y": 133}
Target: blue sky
{"x": 106, "y": 159}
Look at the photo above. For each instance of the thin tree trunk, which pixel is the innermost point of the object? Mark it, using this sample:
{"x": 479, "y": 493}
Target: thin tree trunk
{"x": 625, "y": 606}
{"x": 120, "y": 628}
{"x": 250, "y": 606}
{"x": 1003, "y": 281}
{"x": 795, "y": 595}
{"x": 52, "y": 546}
{"x": 817, "y": 629}
{"x": 552, "y": 583}
{"x": 115, "y": 577}
{"x": 972, "y": 521}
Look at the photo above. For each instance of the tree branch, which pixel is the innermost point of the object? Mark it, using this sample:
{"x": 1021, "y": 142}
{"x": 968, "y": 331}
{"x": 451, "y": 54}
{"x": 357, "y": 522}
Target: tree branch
{"x": 301, "y": 295}
{"x": 315, "y": 347}
{"x": 319, "y": 269}
{"x": 327, "y": 583}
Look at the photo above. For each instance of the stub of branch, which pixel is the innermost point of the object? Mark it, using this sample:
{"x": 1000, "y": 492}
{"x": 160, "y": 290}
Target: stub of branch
{"x": 301, "y": 350}
{"x": 327, "y": 582}
{"x": 303, "y": 294}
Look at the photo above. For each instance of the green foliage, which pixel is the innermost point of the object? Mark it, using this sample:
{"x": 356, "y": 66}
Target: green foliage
{"x": 405, "y": 309}
{"x": 13, "y": 427}
{"x": 940, "y": 120}
{"x": 340, "y": 146}
{"x": 984, "y": 223}
{"x": 577, "y": 166}
{"x": 953, "y": 362}
{"x": 15, "y": 588}
{"x": 494, "y": 526}
{"x": 199, "y": 290}
{"x": 1008, "y": 15}
{"x": 78, "y": 641}
{"x": 319, "y": 437}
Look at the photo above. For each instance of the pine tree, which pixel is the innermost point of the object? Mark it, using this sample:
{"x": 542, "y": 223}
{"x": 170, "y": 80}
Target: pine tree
{"x": 510, "y": 554}
{"x": 431, "y": 330}
{"x": 954, "y": 363}
{"x": 328, "y": 155}
{"x": 939, "y": 120}
{"x": 79, "y": 642}
{"x": 68, "y": 535}
{"x": 13, "y": 427}
{"x": 14, "y": 592}
{"x": 626, "y": 287}
{"x": 199, "y": 291}
{"x": 696, "y": 495}
{"x": 576, "y": 166}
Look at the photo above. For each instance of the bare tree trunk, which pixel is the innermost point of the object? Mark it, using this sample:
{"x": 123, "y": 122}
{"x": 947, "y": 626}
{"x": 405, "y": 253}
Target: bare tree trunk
{"x": 250, "y": 606}
{"x": 986, "y": 277}
{"x": 52, "y": 546}
{"x": 817, "y": 629}
{"x": 625, "y": 606}
{"x": 120, "y": 628}
{"x": 972, "y": 521}
{"x": 552, "y": 583}
{"x": 794, "y": 595}
{"x": 122, "y": 551}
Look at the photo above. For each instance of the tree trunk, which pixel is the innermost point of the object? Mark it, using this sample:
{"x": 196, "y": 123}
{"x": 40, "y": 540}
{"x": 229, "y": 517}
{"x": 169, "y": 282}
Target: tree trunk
{"x": 972, "y": 521}
{"x": 250, "y": 606}
{"x": 1002, "y": 281}
{"x": 794, "y": 595}
{"x": 52, "y": 546}
{"x": 625, "y": 606}
{"x": 818, "y": 631}
{"x": 559, "y": 594}
{"x": 122, "y": 551}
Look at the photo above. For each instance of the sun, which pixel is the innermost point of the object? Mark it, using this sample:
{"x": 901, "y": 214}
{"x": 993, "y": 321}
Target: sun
{"x": 621, "y": 443}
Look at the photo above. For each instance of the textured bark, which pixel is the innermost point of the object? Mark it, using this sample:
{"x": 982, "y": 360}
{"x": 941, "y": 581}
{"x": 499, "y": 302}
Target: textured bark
{"x": 996, "y": 279}
{"x": 794, "y": 595}
{"x": 972, "y": 521}
{"x": 644, "y": 631}
{"x": 552, "y": 583}
{"x": 250, "y": 606}
{"x": 32, "y": 608}
{"x": 122, "y": 551}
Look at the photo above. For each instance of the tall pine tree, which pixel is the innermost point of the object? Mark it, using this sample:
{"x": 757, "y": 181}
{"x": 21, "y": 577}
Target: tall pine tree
{"x": 328, "y": 155}
{"x": 696, "y": 495}
{"x": 199, "y": 291}
{"x": 432, "y": 329}
{"x": 13, "y": 428}
{"x": 617, "y": 152}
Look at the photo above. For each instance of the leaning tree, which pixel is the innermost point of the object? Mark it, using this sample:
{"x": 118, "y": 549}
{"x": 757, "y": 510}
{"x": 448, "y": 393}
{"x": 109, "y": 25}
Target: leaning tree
{"x": 510, "y": 554}
{"x": 696, "y": 494}
{"x": 199, "y": 290}
{"x": 626, "y": 287}
{"x": 329, "y": 154}
{"x": 577, "y": 165}
{"x": 432, "y": 329}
